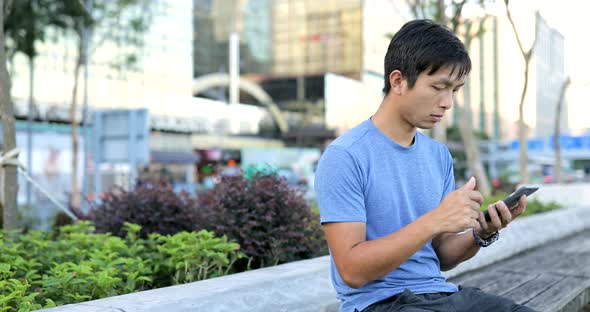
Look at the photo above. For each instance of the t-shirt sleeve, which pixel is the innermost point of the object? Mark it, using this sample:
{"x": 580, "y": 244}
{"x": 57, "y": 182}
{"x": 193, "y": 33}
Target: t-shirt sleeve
{"x": 450, "y": 173}
{"x": 339, "y": 187}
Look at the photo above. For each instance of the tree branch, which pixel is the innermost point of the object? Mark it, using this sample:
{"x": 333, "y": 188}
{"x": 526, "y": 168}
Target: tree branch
{"x": 8, "y": 7}
{"x": 413, "y": 7}
{"x": 440, "y": 12}
{"x": 455, "y": 20}
{"x": 423, "y": 8}
{"x": 479, "y": 30}
{"x": 511, "y": 20}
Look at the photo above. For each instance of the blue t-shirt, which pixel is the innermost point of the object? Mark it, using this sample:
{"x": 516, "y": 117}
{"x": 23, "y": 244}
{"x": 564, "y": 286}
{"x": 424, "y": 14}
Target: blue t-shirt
{"x": 364, "y": 176}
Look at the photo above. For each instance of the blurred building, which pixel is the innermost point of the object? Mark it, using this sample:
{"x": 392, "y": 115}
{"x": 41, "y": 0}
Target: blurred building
{"x": 287, "y": 47}
{"x": 162, "y": 73}
{"x": 279, "y": 39}
{"x": 496, "y": 81}
{"x": 161, "y": 77}
{"x": 549, "y": 53}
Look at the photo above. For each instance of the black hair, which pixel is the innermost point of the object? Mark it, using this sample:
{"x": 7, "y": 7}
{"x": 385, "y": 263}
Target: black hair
{"x": 424, "y": 45}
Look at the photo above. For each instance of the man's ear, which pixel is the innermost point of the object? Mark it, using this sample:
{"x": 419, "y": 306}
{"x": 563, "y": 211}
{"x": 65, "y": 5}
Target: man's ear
{"x": 396, "y": 82}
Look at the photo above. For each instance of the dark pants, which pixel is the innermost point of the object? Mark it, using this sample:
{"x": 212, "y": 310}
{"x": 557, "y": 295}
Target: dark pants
{"x": 467, "y": 299}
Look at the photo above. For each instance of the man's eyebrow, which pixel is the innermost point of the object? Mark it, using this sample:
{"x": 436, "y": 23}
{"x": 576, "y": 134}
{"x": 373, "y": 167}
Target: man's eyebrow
{"x": 448, "y": 82}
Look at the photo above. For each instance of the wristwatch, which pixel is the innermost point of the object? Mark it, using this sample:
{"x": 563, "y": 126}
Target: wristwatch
{"x": 485, "y": 242}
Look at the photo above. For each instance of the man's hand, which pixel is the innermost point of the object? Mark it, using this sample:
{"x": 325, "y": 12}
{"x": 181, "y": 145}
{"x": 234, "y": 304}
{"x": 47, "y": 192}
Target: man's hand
{"x": 501, "y": 216}
{"x": 459, "y": 210}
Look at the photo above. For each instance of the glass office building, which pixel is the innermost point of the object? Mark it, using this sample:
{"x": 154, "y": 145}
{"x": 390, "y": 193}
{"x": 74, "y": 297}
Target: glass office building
{"x": 281, "y": 41}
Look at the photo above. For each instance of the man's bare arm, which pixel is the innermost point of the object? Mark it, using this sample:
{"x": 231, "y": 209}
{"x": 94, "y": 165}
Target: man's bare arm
{"x": 452, "y": 249}
{"x": 360, "y": 261}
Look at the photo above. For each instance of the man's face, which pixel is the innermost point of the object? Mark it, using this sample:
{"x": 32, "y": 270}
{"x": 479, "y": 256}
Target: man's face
{"x": 432, "y": 95}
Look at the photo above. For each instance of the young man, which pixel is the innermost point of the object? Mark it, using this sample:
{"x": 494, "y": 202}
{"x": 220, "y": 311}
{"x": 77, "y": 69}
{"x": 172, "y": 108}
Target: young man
{"x": 387, "y": 197}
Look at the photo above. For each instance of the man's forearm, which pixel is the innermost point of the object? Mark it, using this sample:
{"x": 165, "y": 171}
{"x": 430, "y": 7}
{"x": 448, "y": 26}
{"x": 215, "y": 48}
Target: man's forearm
{"x": 453, "y": 249}
{"x": 373, "y": 259}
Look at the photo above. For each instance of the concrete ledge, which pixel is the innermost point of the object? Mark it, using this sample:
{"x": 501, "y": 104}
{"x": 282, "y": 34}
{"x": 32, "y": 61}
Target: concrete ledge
{"x": 298, "y": 286}
{"x": 305, "y": 285}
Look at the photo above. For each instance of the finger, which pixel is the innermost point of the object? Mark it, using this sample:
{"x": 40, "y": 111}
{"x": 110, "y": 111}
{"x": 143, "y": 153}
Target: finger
{"x": 482, "y": 222}
{"x": 474, "y": 224}
{"x": 505, "y": 214}
{"x": 475, "y": 206}
{"x": 501, "y": 204}
{"x": 496, "y": 222}
{"x": 475, "y": 213}
{"x": 476, "y": 196}
{"x": 521, "y": 206}
{"x": 470, "y": 185}
{"x": 478, "y": 227}
{"x": 513, "y": 206}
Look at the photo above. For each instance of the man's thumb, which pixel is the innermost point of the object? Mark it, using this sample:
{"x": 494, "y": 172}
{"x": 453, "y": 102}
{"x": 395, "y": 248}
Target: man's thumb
{"x": 470, "y": 185}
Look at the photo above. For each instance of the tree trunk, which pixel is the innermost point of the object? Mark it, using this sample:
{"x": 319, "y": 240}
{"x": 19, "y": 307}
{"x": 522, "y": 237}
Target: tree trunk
{"x": 75, "y": 198}
{"x": 1, "y": 196}
{"x": 10, "y": 216}
{"x": 440, "y": 16}
{"x": 472, "y": 155}
{"x": 471, "y": 145}
{"x": 557, "y": 131}
{"x": 522, "y": 129}
{"x": 30, "y": 114}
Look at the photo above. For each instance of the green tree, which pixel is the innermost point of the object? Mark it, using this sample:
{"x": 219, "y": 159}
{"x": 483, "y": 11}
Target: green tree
{"x": 10, "y": 184}
{"x": 122, "y": 23}
{"x": 558, "y": 109}
{"x": 25, "y": 23}
{"x": 522, "y": 129}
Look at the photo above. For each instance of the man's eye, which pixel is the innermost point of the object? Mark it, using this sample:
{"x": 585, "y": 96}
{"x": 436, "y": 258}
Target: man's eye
{"x": 437, "y": 88}
{"x": 455, "y": 90}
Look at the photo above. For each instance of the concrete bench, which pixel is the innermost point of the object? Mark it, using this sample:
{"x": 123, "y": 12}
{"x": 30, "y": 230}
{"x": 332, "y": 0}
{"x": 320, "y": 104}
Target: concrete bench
{"x": 553, "y": 277}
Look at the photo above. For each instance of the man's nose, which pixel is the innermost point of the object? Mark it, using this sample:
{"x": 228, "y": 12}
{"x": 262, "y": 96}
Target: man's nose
{"x": 447, "y": 101}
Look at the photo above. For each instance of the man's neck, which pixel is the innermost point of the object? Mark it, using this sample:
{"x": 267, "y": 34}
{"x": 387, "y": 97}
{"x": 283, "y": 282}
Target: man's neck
{"x": 390, "y": 122}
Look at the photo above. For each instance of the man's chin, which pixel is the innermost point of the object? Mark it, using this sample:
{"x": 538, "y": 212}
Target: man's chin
{"x": 425, "y": 126}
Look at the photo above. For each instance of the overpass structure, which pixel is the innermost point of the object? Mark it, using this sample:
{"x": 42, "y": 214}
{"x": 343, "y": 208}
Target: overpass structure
{"x": 222, "y": 80}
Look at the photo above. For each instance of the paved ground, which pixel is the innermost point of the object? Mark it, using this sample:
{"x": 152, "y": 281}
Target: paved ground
{"x": 554, "y": 277}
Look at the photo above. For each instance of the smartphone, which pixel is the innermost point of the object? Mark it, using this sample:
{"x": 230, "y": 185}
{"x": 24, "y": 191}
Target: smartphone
{"x": 512, "y": 199}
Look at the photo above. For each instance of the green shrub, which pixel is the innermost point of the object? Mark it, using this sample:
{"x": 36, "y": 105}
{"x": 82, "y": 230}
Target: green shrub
{"x": 194, "y": 256}
{"x": 74, "y": 264}
{"x": 151, "y": 204}
{"x": 271, "y": 221}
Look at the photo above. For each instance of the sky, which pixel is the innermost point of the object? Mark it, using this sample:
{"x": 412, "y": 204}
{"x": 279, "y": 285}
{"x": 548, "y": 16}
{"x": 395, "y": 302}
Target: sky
{"x": 568, "y": 17}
